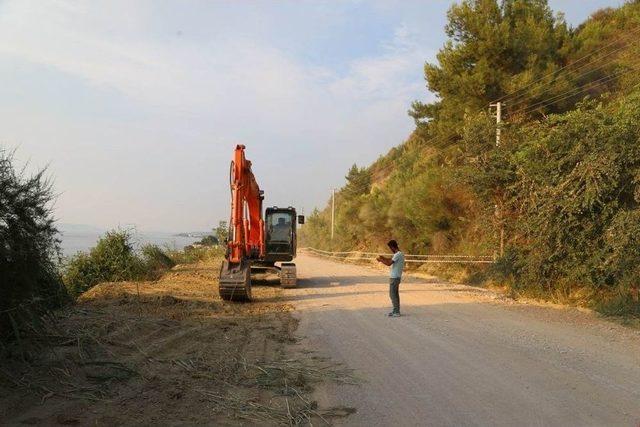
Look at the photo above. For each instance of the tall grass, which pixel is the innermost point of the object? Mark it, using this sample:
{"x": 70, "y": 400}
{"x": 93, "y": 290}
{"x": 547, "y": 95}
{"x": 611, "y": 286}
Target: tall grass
{"x": 192, "y": 255}
{"x": 29, "y": 250}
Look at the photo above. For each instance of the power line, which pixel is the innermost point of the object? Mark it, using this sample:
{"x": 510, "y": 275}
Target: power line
{"x": 522, "y": 97}
{"x": 524, "y": 100}
{"x": 627, "y": 35}
{"x": 576, "y": 91}
{"x": 451, "y": 140}
{"x": 544, "y": 103}
{"x": 516, "y": 101}
{"x": 393, "y": 166}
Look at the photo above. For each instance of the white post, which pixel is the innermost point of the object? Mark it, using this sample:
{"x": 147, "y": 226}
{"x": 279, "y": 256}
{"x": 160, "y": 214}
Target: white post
{"x": 333, "y": 211}
{"x": 498, "y": 106}
{"x": 498, "y": 130}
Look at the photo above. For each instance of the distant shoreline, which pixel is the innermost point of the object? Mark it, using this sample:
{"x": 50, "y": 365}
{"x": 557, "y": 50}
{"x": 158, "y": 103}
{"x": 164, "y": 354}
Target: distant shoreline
{"x": 195, "y": 234}
{"x": 73, "y": 242}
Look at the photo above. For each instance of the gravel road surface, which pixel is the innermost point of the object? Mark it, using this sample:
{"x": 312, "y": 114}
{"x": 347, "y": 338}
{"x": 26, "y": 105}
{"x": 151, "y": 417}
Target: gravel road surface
{"x": 464, "y": 356}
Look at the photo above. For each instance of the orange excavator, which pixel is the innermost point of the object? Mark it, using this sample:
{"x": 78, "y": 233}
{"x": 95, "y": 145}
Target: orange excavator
{"x": 255, "y": 244}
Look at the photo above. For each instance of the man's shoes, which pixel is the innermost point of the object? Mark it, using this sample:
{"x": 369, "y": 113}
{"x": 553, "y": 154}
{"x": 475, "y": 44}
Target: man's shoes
{"x": 390, "y": 314}
{"x": 393, "y": 314}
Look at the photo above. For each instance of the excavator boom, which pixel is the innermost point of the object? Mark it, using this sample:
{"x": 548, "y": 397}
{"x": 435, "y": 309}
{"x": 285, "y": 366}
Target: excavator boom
{"x": 246, "y": 237}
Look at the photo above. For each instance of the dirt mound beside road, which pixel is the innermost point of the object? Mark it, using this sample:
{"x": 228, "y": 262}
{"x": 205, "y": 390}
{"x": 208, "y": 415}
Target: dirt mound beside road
{"x": 167, "y": 352}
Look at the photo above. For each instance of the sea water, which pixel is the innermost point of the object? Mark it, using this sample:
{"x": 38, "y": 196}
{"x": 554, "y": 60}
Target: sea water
{"x": 82, "y": 241}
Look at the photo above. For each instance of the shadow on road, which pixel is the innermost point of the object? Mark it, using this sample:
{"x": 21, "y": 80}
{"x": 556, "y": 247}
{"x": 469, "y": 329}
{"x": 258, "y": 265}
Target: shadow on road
{"x": 333, "y": 281}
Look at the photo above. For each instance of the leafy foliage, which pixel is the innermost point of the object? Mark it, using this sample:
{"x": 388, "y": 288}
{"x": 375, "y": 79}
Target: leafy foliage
{"x": 29, "y": 251}
{"x": 114, "y": 259}
{"x": 156, "y": 261}
{"x": 222, "y": 232}
{"x": 493, "y": 50}
{"x": 209, "y": 241}
{"x": 191, "y": 255}
{"x": 574, "y": 195}
{"x": 564, "y": 179}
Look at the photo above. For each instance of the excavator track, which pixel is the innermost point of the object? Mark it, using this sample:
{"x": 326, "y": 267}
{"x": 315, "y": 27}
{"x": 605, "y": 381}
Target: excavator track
{"x": 235, "y": 282}
{"x": 288, "y": 274}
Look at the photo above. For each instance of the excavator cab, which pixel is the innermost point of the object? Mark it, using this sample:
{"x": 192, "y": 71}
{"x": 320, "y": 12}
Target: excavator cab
{"x": 280, "y": 243}
{"x": 280, "y": 234}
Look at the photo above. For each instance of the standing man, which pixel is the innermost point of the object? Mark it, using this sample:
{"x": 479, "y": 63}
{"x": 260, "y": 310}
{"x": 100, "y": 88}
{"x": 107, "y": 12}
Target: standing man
{"x": 397, "y": 264}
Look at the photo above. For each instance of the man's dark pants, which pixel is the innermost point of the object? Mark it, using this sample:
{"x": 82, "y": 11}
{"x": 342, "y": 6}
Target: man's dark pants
{"x": 394, "y": 293}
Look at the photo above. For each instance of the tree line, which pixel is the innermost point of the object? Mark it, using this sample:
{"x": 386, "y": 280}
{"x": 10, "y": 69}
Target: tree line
{"x": 563, "y": 185}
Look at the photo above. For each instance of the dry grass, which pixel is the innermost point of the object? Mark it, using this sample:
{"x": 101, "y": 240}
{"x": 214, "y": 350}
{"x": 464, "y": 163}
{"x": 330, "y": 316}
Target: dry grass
{"x": 168, "y": 351}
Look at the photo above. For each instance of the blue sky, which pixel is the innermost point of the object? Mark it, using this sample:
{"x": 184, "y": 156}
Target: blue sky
{"x": 135, "y": 106}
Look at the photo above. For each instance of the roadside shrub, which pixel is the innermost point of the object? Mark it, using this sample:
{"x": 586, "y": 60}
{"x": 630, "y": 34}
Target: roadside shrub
{"x": 574, "y": 203}
{"x": 508, "y": 267}
{"x": 624, "y": 301}
{"x": 191, "y": 255}
{"x": 156, "y": 261}
{"x": 81, "y": 273}
{"x": 114, "y": 259}
{"x": 29, "y": 249}
{"x": 209, "y": 241}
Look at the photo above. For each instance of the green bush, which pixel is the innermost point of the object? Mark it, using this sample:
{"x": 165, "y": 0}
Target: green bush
{"x": 81, "y": 274}
{"x": 191, "y": 255}
{"x": 156, "y": 261}
{"x": 209, "y": 241}
{"x": 114, "y": 259}
{"x": 571, "y": 192}
{"x": 29, "y": 251}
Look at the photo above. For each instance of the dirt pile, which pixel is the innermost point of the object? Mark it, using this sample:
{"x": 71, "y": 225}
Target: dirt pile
{"x": 167, "y": 352}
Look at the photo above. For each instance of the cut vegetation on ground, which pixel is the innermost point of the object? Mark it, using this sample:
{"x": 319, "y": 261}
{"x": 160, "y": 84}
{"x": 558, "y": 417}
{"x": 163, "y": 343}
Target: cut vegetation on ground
{"x": 167, "y": 351}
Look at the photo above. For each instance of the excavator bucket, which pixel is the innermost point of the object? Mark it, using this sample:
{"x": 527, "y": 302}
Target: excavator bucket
{"x": 235, "y": 281}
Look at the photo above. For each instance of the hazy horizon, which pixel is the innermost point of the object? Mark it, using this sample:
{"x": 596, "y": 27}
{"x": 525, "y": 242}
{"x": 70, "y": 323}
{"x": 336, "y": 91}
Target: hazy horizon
{"x": 135, "y": 107}
{"x": 76, "y": 227}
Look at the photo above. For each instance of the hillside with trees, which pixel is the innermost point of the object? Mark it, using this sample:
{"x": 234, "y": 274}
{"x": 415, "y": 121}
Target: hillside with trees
{"x": 562, "y": 186}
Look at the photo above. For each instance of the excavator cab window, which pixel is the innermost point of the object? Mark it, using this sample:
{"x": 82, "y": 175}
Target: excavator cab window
{"x": 279, "y": 227}
{"x": 280, "y": 230}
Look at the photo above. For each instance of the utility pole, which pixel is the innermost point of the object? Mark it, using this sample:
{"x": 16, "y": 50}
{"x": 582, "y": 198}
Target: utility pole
{"x": 498, "y": 107}
{"x": 333, "y": 211}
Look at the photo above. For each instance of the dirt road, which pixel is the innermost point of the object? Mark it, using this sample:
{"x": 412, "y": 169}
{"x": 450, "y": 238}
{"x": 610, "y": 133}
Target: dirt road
{"x": 170, "y": 352}
{"x": 459, "y": 356}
